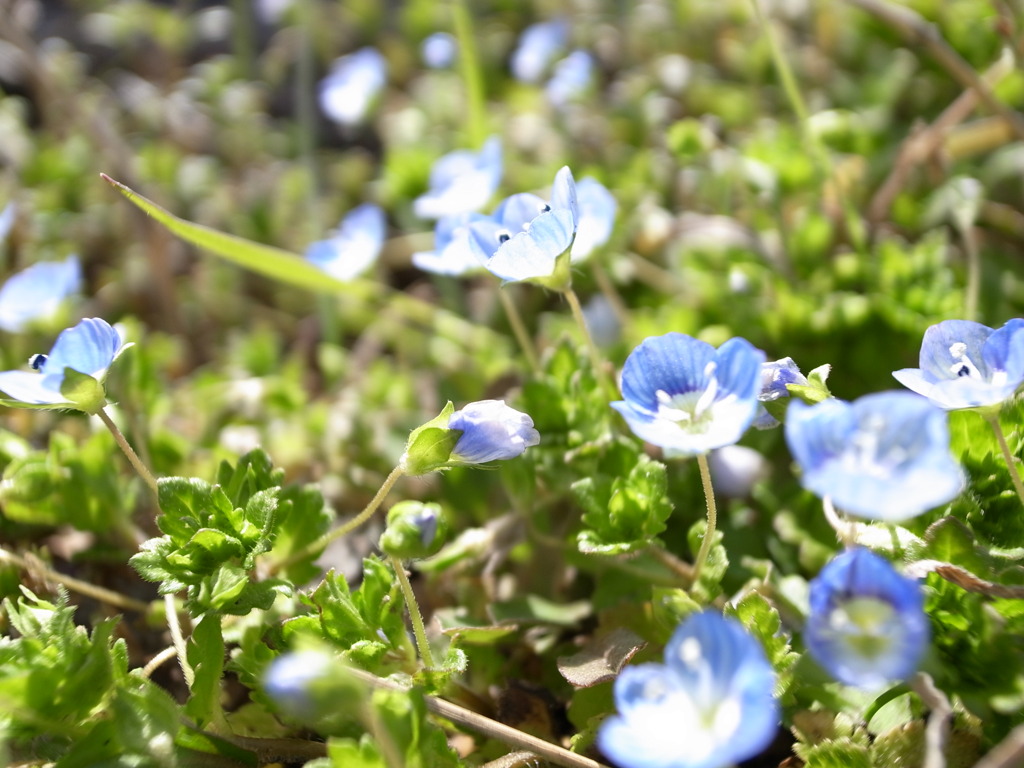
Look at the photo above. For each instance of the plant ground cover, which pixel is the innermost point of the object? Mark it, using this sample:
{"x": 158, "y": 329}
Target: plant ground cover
{"x": 484, "y": 382}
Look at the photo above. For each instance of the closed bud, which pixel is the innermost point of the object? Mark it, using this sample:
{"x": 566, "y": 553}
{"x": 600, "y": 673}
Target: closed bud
{"x": 414, "y": 530}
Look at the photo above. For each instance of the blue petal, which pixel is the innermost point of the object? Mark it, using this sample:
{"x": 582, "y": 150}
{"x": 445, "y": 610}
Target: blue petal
{"x": 570, "y": 80}
{"x": 29, "y": 387}
{"x": 354, "y": 247}
{"x": 563, "y": 194}
{"x": 899, "y": 641}
{"x": 352, "y": 86}
{"x": 533, "y": 253}
{"x": 89, "y": 347}
{"x": 515, "y": 212}
{"x": 935, "y": 358}
{"x": 537, "y": 48}
{"x": 491, "y": 431}
{"x": 37, "y": 292}
{"x": 462, "y": 181}
{"x": 455, "y": 252}
{"x": 439, "y": 50}
{"x": 597, "y": 209}
{"x": 1004, "y": 351}
{"x": 673, "y": 363}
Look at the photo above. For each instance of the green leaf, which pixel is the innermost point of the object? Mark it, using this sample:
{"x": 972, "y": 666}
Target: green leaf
{"x": 83, "y": 391}
{"x": 206, "y": 657}
{"x": 227, "y": 585}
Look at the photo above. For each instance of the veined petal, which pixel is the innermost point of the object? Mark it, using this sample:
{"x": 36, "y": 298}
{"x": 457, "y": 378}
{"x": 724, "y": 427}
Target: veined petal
{"x": 29, "y": 387}
{"x": 532, "y": 254}
{"x": 89, "y": 347}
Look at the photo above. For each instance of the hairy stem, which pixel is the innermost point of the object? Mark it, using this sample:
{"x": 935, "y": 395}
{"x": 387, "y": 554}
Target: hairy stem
{"x": 418, "y": 629}
{"x": 515, "y": 320}
{"x": 1011, "y": 460}
{"x": 709, "y": 499}
{"x": 123, "y": 444}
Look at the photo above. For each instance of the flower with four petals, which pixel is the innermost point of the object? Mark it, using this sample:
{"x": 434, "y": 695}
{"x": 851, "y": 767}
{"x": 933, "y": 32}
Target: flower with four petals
{"x": 37, "y": 292}
{"x": 461, "y": 182}
{"x": 354, "y": 247}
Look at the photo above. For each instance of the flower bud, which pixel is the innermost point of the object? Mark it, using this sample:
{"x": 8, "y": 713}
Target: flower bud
{"x": 414, "y": 530}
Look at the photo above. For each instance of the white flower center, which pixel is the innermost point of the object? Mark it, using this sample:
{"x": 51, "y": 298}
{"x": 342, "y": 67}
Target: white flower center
{"x": 864, "y": 625}
{"x": 689, "y": 409}
{"x": 866, "y": 452}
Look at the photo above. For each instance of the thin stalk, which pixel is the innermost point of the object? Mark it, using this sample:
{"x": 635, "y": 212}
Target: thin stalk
{"x": 157, "y": 661}
{"x": 515, "y": 321}
{"x": 178, "y": 640}
{"x": 341, "y": 530}
{"x": 846, "y": 531}
{"x": 595, "y": 355}
{"x": 133, "y": 457}
{"x": 1011, "y": 461}
{"x": 472, "y": 76}
{"x": 709, "y": 499}
{"x": 854, "y": 225}
{"x": 34, "y": 565}
{"x": 418, "y": 628}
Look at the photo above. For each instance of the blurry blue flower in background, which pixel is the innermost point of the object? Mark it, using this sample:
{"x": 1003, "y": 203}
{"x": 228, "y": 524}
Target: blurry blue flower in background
{"x": 289, "y": 678}
{"x": 885, "y": 456}
{"x": 89, "y": 347}
{"x": 439, "y": 50}
{"x": 867, "y": 626}
{"x": 571, "y": 78}
{"x": 709, "y": 705}
{"x": 461, "y": 182}
{"x": 454, "y": 253}
{"x": 354, "y": 247}
{"x": 37, "y": 292}
{"x": 348, "y": 92}
{"x": 775, "y": 375}
{"x": 968, "y": 365}
{"x": 687, "y": 397}
{"x": 7, "y": 218}
{"x": 597, "y": 207}
{"x": 538, "y": 46}
{"x": 491, "y": 431}
{"x": 525, "y": 236}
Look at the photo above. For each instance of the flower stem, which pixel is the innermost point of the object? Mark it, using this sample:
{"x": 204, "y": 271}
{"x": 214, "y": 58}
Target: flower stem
{"x": 178, "y": 640}
{"x": 709, "y": 499}
{"x": 318, "y": 545}
{"x": 469, "y": 65}
{"x": 846, "y": 530}
{"x": 1011, "y": 461}
{"x": 418, "y": 629}
{"x": 133, "y": 457}
{"x": 515, "y": 320}
{"x": 34, "y": 565}
{"x": 595, "y": 355}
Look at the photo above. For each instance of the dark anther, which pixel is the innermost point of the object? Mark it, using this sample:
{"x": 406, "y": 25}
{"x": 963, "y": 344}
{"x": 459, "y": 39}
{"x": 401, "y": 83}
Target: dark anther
{"x": 963, "y": 371}
{"x": 37, "y": 361}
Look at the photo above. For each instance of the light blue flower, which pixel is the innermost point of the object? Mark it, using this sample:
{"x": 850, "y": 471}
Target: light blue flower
{"x": 526, "y": 238}
{"x": 687, "y": 397}
{"x": 867, "y": 626}
{"x": 348, "y": 92}
{"x": 290, "y": 678}
{"x": 88, "y": 348}
{"x": 572, "y": 76}
{"x": 538, "y": 46}
{"x": 709, "y": 705}
{"x": 597, "y": 207}
{"x": 461, "y": 182}
{"x": 491, "y": 431}
{"x": 884, "y": 457}
{"x": 354, "y": 247}
{"x": 439, "y": 50}
{"x": 454, "y": 252}
{"x": 775, "y": 375}
{"x": 37, "y": 292}
{"x": 968, "y": 365}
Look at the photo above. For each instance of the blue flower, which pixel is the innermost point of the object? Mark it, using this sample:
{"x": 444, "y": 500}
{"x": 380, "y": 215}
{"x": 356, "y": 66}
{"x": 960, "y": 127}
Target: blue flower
{"x": 88, "y": 348}
{"x": 461, "y": 182}
{"x": 968, "y": 365}
{"x": 439, "y": 50}
{"x": 526, "y": 237}
{"x": 571, "y": 78}
{"x": 352, "y": 86}
{"x": 491, "y": 431}
{"x": 867, "y": 625}
{"x": 885, "y": 456}
{"x": 597, "y": 209}
{"x": 775, "y": 375}
{"x": 687, "y": 397}
{"x": 290, "y": 677}
{"x": 709, "y": 705}
{"x": 7, "y": 218}
{"x": 454, "y": 252}
{"x": 354, "y": 247}
{"x": 37, "y": 292}
{"x": 538, "y": 46}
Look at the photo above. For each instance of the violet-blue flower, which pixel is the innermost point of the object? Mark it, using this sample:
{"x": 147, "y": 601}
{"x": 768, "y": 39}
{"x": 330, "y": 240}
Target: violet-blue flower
{"x": 884, "y": 456}
{"x": 88, "y": 348}
{"x": 454, "y": 252}
{"x": 289, "y": 678}
{"x": 37, "y": 292}
{"x": 968, "y": 365}
{"x": 709, "y": 705}
{"x": 350, "y": 89}
{"x": 538, "y": 46}
{"x": 529, "y": 239}
{"x": 491, "y": 431}
{"x": 775, "y": 375}
{"x": 597, "y": 209}
{"x": 439, "y": 50}
{"x": 687, "y": 397}
{"x": 867, "y": 626}
{"x": 571, "y": 78}
{"x": 462, "y": 181}
{"x": 354, "y": 246}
